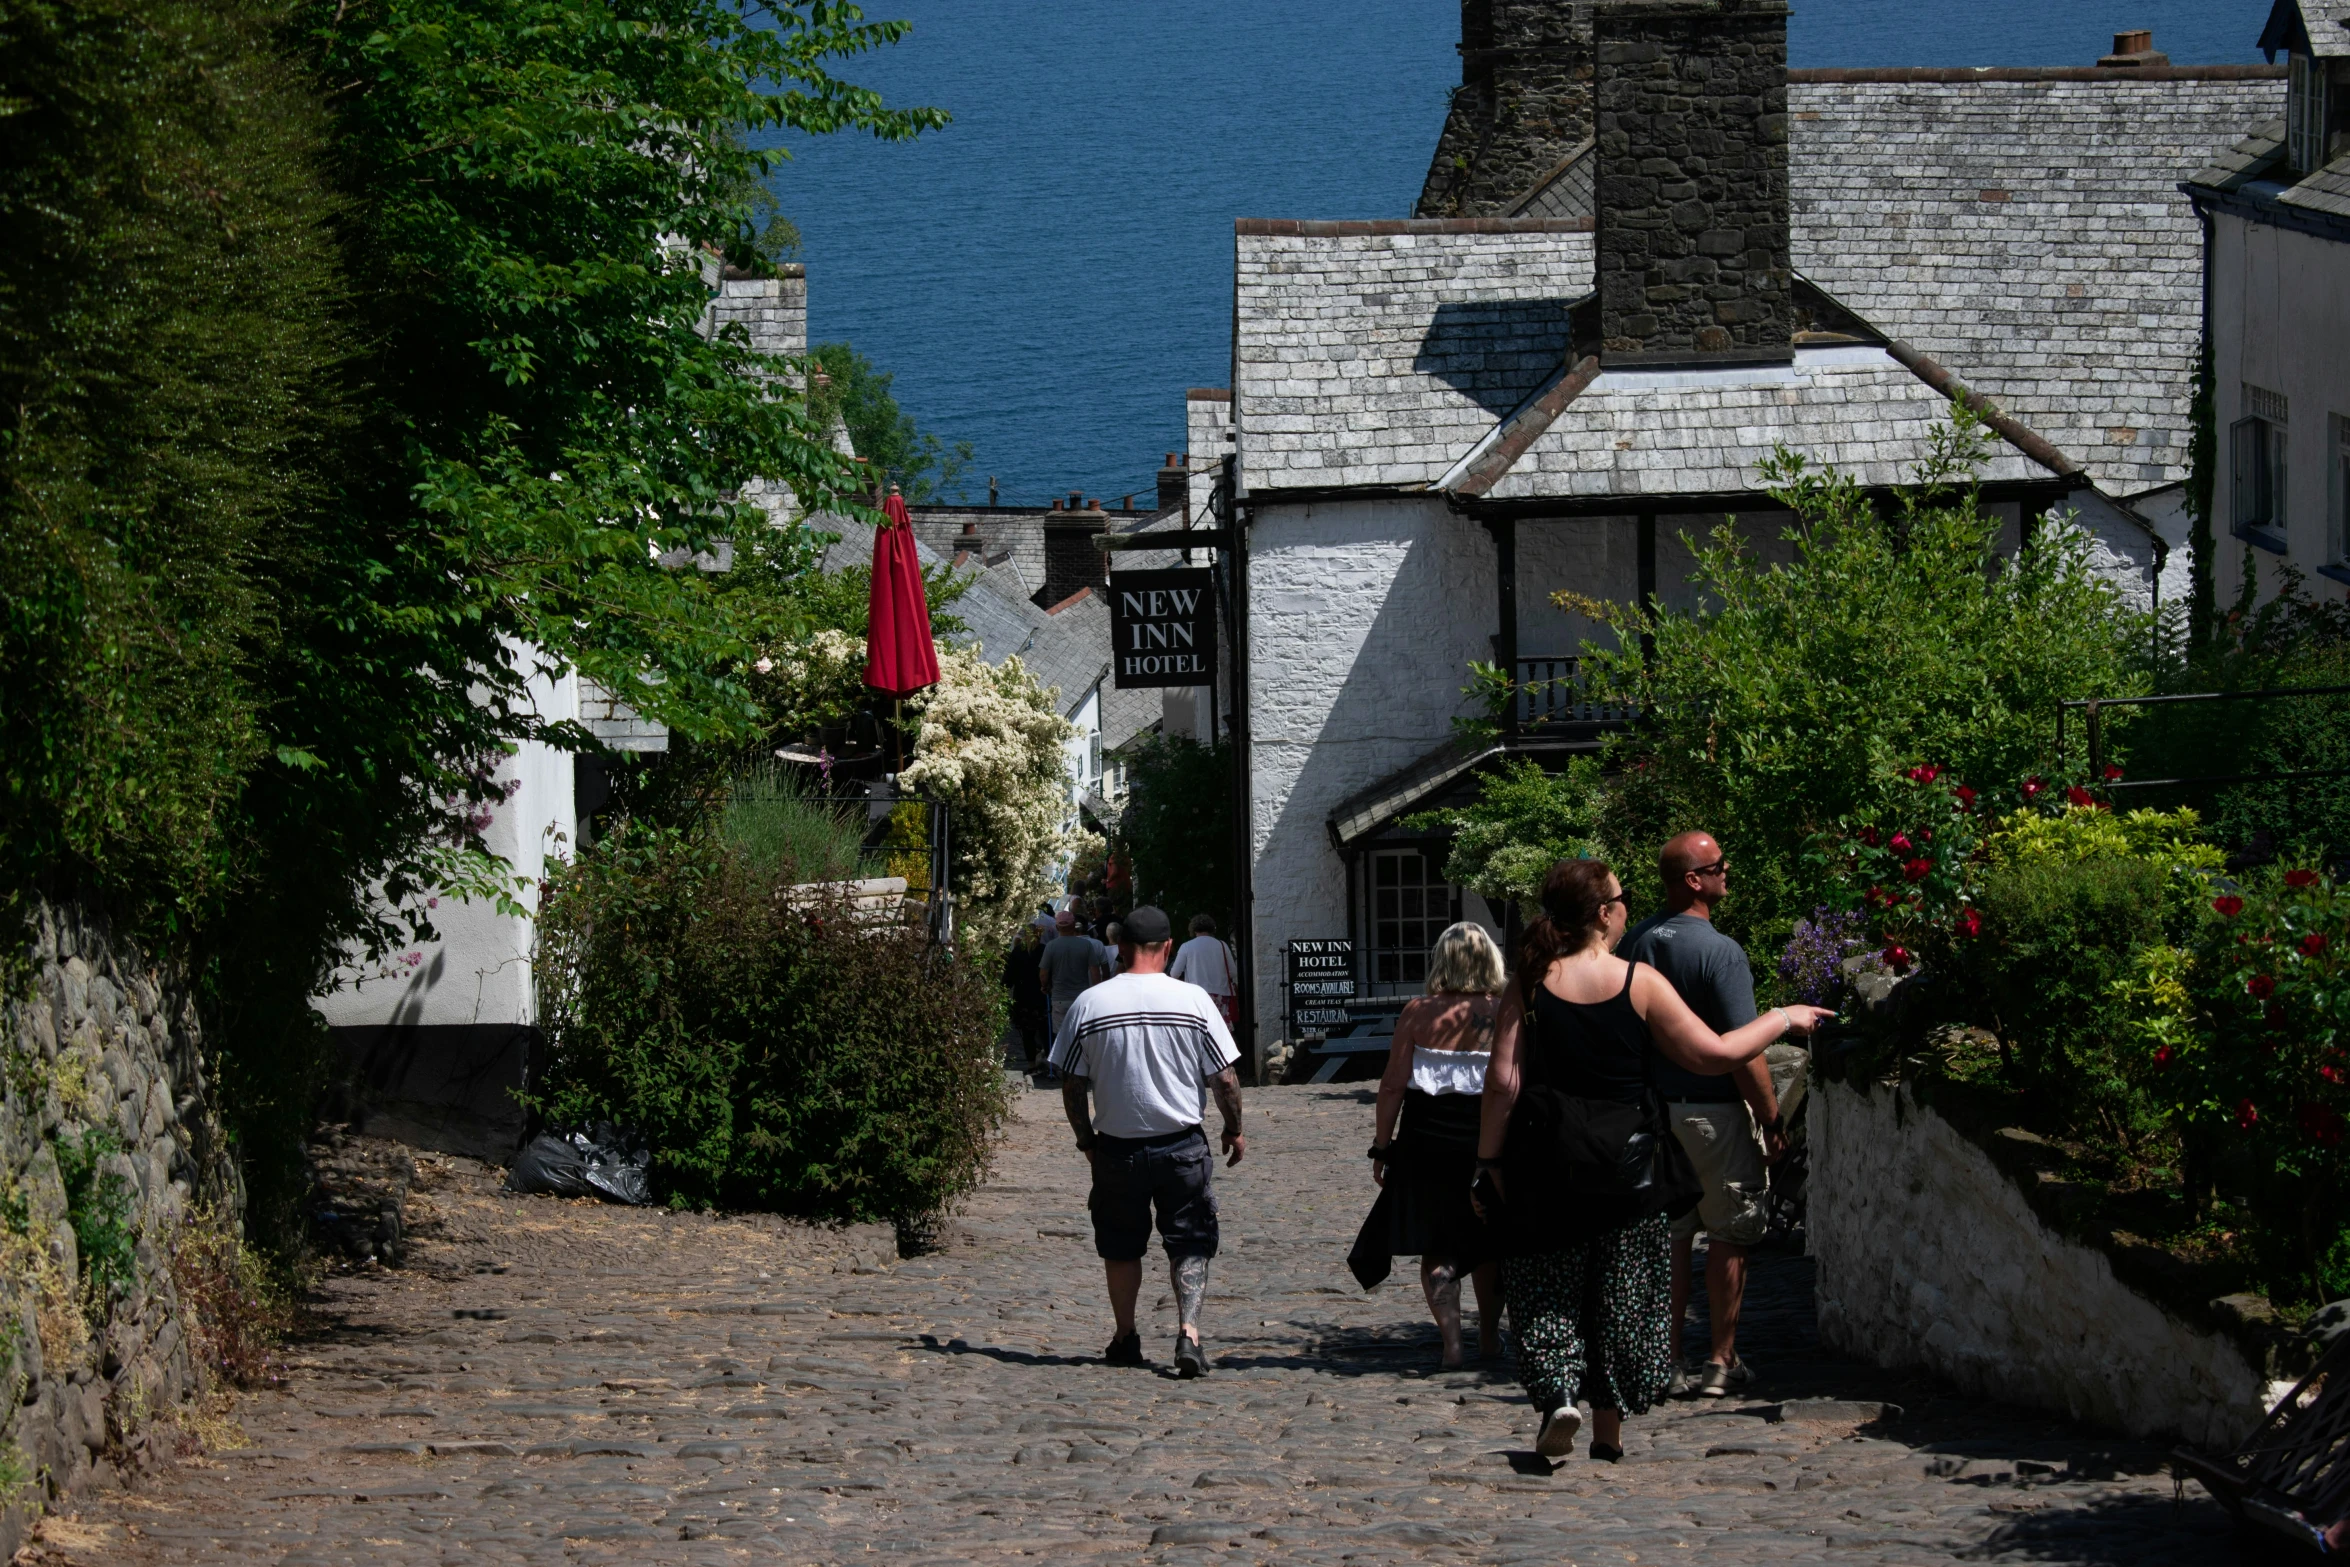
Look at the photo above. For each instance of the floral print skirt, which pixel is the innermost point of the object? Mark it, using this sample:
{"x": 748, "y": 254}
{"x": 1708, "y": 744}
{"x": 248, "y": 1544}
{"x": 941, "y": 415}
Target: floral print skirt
{"x": 1594, "y": 1319}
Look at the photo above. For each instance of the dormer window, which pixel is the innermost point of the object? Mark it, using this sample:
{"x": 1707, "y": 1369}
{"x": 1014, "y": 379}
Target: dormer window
{"x": 2305, "y": 112}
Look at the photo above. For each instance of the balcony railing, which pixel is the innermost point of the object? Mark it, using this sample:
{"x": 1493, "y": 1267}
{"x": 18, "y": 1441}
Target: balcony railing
{"x": 1550, "y": 691}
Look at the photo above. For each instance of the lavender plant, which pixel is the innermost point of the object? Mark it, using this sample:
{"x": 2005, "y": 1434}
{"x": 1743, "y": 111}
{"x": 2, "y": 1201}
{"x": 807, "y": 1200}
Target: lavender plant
{"x": 1812, "y": 963}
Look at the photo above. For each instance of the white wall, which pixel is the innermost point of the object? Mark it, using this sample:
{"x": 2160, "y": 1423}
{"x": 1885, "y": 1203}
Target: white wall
{"x": 2280, "y": 319}
{"x": 1363, "y": 617}
{"x": 480, "y": 969}
{"x": 1077, "y": 750}
{"x": 1929, "y": 1256}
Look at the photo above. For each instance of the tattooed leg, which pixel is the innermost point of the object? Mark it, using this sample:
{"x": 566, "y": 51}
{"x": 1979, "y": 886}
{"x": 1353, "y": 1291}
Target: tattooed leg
{"x": 1191, "y": 1282}
{"x": 1442, "y": 1282}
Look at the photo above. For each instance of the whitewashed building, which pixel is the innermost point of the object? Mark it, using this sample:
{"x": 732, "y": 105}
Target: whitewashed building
{"x": 1439, "y": 422}
{"x": 2277, "y": 209}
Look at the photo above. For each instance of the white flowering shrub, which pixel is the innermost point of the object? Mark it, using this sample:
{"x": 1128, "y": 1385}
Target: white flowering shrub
{"x": 990, "y": 746}
{"x": 804, "y": 685}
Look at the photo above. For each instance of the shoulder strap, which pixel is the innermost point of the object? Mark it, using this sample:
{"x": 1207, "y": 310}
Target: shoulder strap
{"x": 1489, "y": 1016}
{"x": 1631, "y": 966}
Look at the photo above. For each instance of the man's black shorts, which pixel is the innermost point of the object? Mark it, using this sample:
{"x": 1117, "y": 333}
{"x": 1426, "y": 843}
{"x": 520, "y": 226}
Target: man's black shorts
{"x": 1175, "y": 1172}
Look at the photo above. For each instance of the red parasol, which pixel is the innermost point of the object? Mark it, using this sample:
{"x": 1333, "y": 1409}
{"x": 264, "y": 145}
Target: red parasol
{"x": 899, "y": 655}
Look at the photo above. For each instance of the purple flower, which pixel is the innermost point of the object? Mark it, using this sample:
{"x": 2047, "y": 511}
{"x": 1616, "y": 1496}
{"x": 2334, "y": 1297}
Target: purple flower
{"x": 1819, "y": 945}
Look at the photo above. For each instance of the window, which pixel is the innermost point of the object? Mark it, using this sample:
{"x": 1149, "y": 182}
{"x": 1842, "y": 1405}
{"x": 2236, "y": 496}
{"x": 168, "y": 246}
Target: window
{"x": 2305, "y": 113}
{"x": 1411, "y": 903}
{"x": 2257, "y": 468}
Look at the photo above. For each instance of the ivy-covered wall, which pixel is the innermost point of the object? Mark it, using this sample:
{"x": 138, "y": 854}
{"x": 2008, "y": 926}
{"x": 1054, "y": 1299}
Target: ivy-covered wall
{"x": 108, "y": 1149}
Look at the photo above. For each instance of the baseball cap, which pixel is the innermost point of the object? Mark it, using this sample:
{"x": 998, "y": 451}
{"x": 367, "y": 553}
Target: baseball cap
{"x": 1147, "y": 926}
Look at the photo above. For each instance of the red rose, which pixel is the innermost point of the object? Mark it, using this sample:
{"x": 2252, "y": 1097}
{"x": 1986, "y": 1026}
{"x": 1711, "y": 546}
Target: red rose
{"x": 2333, "y": 1075}
{"x": 1901, "y": 843}
{"x": 2313, "y": 944}
{"x": 1925, "y": 835}
{"x": 2032, "y": 786}
{"x": 2164, "y": 1056}
{"x": 2112, "y": 772}
{"x": 1868, "y": 835}
{"x": 1966, "y": 797}
{"x": 1896, "y": 957}
{"x": 2228, "y": 907}
{"x": 1917, "y": 870}
{"x": 2300, "y": 878}
{"x": 1873, "y": 897}
{"x": 2074, "y": 794}
{"x": 2261, "y": 986}
{"x": 2247, "y": 1114}
{"x": 2321, "y": 1124}
{"x": 1969, "y": 924}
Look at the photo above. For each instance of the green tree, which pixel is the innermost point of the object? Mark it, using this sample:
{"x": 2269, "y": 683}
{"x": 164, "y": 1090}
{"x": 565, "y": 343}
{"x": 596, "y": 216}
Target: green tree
{"x": 1177, "y": 828}
{"x": 896, "y": 449}
{"x": 1794, "y": 695}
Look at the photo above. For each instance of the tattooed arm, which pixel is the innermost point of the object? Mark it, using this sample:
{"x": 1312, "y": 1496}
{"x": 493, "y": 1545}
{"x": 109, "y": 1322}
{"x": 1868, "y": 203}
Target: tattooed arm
{"x": 1225, "y": 1085}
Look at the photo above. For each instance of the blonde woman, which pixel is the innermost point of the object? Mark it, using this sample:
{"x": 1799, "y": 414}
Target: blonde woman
{"x": 1434, "y": 1081}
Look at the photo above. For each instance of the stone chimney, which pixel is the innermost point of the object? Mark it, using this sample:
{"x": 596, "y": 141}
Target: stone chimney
{"x": 1522, "y": 109}
{"x": 1071, "y": 559}
{"x": 1174, "y": 485}
{"x": 2132, "y": 51}
{"x": 1692, "y": 248}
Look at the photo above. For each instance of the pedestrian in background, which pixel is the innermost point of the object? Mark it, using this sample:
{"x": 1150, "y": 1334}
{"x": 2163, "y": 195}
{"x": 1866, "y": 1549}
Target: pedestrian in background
{"x": 1150, "y": 1049}
{"x": 1588, "y": 1265}
{"x": 1435, "y": 1082}
{"x": 1024, "y": 979}
{"x": 1206, "y": 960}
{"x": 1728, "y": 1123}
{"x": 1069, "y": 964}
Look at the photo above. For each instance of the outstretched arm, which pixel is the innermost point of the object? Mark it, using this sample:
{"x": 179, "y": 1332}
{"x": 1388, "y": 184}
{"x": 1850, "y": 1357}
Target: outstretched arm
{"x": 1683, "y": 1039}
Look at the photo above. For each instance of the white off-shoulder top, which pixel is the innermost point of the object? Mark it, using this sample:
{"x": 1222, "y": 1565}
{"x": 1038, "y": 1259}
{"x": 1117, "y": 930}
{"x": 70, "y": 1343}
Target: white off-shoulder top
{"x": 1449, "y": 1071}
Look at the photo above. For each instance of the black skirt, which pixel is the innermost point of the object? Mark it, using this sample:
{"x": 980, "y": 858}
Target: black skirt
{"x": 1435, "y": 1160}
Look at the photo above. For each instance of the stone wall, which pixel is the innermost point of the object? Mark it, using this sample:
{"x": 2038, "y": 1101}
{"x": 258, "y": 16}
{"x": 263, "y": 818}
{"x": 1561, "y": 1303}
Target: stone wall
{"x": 1523, "y": 106}
{"x": 1692, "y": 247}
{"x": 1930, "y": 1256}
{"x": 104, "y": 1104}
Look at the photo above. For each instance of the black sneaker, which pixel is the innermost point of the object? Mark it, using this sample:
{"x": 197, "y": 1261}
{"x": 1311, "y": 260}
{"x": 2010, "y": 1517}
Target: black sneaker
{"x": 1191, "y": 1358}
{"x": 1125, "y": 1351}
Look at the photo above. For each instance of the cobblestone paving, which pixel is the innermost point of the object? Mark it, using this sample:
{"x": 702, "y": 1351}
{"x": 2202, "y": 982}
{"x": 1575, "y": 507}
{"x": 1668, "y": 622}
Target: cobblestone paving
{"x": 559, "y": 1382}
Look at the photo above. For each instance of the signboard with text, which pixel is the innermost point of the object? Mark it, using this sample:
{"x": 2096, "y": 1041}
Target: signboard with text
{"x": 1321, "y": 970}
{"x": 1163, "y": 628}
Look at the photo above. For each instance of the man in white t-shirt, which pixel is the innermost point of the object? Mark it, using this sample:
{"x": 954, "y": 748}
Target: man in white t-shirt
{"x": 1207, "y": 962}
{"x": 1149, "y": 1049}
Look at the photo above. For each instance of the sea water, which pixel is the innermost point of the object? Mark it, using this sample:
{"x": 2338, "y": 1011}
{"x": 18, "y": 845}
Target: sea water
{"x": 1047, "y": 275}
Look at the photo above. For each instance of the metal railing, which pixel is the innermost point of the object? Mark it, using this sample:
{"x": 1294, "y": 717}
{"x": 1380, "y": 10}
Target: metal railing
{"x": 2092, "y": 707}
{"x": 1550, "y": 691}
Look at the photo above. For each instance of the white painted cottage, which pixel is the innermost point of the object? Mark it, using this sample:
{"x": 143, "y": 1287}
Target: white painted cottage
{"x": 1438, "y": 422}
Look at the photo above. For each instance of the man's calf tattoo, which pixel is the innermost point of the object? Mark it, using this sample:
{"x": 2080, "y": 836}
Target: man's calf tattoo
{"x": 1191, "y": 1282}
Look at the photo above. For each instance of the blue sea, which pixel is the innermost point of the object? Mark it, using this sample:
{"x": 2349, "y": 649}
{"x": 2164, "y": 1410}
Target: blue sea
{"x": 1045, "y": 276}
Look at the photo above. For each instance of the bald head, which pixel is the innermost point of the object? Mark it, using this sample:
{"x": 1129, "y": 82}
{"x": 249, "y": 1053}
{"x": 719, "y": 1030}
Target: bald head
{"x": 1694, "y": 877}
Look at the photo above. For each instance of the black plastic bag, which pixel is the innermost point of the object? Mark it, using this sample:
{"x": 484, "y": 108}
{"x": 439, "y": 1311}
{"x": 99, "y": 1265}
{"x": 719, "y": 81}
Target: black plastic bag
{"x": 597, "y": 1161}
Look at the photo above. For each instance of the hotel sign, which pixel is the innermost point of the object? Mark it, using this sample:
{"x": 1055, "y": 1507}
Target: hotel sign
{"x": 1163, "y": 628}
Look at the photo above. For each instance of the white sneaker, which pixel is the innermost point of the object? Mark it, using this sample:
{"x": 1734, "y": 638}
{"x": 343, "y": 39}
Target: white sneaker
{"x": 1558, "y": 1432}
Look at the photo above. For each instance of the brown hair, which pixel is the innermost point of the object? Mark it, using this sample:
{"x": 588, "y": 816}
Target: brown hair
{"x": 1574, "y": 903}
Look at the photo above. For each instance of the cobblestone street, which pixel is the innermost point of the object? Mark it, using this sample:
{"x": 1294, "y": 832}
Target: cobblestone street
{"x": 552, "y": 1382}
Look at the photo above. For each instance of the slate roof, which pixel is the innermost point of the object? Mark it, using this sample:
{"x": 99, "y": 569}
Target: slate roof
{"x": 2029, "y": 235}
{"x": 1377, "y": 353}
{"x": 1567, "y": 191}
{"x": 2025, "y": 230}
{"x": 2255, "y": 169}
{"x": 2327, "y": 23}
{"x": 1648, "y": 432}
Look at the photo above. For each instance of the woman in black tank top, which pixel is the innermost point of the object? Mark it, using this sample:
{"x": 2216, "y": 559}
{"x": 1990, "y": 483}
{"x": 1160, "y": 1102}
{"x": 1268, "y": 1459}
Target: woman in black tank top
{"x": 1589, "y": 1279}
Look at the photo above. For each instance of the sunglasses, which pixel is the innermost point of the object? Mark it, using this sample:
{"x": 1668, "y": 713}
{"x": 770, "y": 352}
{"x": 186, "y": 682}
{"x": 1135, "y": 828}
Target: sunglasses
{"x": 1719, "y": 867}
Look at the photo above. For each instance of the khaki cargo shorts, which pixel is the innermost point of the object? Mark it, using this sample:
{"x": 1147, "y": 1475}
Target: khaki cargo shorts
{"x": 1727, "y": 1148}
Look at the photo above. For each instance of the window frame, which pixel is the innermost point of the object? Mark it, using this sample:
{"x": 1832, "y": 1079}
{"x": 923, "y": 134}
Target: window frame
{"x": 1405, "y": 983}
{"x": 2256, "y": 481}
{"x": 2336, "y": 564}
{"x": 2306, "y": 112}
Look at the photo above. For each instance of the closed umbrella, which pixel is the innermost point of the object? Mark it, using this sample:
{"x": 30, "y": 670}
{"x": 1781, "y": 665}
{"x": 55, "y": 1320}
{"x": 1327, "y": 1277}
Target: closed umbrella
{"x": 899, "y": 655}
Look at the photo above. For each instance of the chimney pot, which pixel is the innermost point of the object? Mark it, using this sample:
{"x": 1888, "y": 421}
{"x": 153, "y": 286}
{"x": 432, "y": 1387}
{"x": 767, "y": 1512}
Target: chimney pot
{"x": 1056, "y": 503}
{"x": 2132, "y": 49}
{"x": 970, "y": 528}
{"x": 1170, "y": 459}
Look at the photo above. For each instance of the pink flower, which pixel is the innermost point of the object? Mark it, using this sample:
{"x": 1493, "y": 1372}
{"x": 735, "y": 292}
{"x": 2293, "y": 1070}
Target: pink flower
{"x": 2228, "y": 907}
{"x": 2247, "y": 1115}
{"x": 2261, "y": 986}
{"x": 1901, "y": 843}
{"x": 2112, "y": 772}
{"x": 2333, "y": 1075}
{"x": 1969, "y": 923}
{"x": 1924, "y": 774}
{"x": 2032, "y": 786}
{"x": 1896, "y": 957}
{"x": 1917, "y": 870}
{"x": 2165, "y": 1056}
{"x": 764, "y": 665}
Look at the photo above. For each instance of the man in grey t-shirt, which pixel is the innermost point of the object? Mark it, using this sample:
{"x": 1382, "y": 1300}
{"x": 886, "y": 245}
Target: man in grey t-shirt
{"x": 1070, "y": 964}
{"x": 1715, "y": 1118}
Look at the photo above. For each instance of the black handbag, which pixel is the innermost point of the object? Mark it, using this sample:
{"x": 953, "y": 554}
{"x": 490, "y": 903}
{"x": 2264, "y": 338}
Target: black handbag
{"x": 1600, "y": 1155}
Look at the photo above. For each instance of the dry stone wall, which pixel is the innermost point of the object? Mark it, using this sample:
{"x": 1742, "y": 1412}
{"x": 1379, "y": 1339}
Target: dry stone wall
{"x": 1929, "y": 1256}
{"x": 107, "y": 1144}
